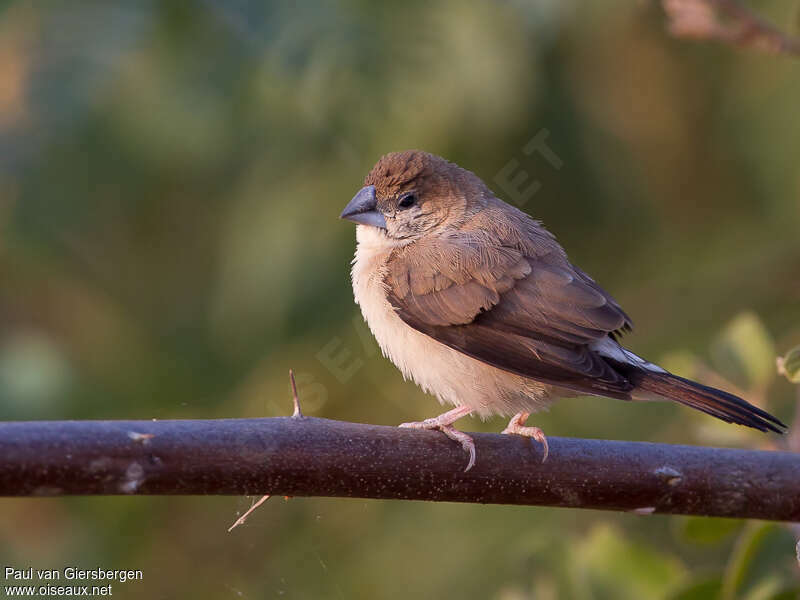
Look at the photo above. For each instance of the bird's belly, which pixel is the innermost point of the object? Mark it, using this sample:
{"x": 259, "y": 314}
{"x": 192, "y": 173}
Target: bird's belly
{"x": 451, "y": 376}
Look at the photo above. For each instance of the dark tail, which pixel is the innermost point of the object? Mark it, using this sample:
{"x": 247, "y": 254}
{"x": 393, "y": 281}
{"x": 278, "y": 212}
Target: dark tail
{"x": 710, "y": 400}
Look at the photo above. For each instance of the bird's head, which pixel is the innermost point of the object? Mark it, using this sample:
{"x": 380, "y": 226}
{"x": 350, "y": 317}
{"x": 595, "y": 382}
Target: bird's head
{"x": 411, "y": 194}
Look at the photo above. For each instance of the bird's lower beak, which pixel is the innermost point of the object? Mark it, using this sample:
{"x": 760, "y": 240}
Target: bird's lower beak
{"x": 363, "y": 209}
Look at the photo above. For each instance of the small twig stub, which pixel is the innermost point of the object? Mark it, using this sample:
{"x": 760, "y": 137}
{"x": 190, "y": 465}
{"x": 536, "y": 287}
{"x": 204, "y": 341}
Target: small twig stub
{"x": 297, "y": 413}
{"x": 243, "y": 518}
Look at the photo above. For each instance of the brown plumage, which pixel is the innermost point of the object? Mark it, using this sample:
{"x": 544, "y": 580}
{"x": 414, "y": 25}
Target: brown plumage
{"x": 479, "y": 304}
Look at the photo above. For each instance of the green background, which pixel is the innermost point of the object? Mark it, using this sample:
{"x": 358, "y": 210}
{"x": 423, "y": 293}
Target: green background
{"x": 170, "y": 180}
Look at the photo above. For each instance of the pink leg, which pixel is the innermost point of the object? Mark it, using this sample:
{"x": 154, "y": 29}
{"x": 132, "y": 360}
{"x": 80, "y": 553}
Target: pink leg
{"x": 444, "y": 423}
{"x": 517, "y": 426}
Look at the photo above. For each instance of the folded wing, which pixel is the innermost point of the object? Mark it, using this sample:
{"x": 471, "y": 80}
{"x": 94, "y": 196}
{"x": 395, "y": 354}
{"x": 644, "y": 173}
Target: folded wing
{"x": 520, "y": 307}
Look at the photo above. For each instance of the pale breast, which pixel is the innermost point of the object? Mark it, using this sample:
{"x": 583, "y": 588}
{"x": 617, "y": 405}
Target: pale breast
{"x": 449, "y": 375}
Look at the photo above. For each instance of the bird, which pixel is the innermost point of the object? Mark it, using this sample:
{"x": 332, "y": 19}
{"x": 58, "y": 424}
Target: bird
{"x": 476, "y": 302}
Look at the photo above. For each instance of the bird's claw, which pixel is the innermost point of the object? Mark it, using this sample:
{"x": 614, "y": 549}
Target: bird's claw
{"x": 516, "y": 427}
{"x": 466, "y": 441}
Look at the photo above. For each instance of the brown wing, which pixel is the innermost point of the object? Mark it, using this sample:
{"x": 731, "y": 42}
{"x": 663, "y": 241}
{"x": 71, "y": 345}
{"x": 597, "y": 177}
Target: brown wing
{"x": 534, "y": 315}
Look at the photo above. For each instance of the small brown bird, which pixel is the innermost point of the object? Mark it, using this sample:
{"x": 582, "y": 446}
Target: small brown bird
{"x": 479, "y": 305}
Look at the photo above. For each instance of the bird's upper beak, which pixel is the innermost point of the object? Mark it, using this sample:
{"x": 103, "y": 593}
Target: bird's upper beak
{"x": 363, "y": 209}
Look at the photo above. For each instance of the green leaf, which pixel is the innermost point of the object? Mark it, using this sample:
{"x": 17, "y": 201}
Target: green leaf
{"x": 706, "y": 530}
{"x": 700, "y": 590}
{"x": 792, "y": 593}
{"x": 789, "y": 365}
{"x": 766, "y": 589}
{"x": 744, "y": 553}
{"x": 744, "y": 352}
{"x": 613, "y": 567}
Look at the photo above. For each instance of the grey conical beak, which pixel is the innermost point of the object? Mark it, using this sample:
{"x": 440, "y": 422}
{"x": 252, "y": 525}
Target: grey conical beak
{"x": 363, "y": 209}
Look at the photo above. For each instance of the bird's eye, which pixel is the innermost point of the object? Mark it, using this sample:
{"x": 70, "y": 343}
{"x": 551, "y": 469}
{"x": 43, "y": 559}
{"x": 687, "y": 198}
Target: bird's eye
{"x": 408, "y": 200}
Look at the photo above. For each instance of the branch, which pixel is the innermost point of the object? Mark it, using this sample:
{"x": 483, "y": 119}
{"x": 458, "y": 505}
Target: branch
{"x": 727, "y": 21}
{"x": 304, "y": 456}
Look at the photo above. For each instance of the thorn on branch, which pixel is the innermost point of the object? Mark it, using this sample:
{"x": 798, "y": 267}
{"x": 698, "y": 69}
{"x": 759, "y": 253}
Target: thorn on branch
{"x": 295, "y": 399}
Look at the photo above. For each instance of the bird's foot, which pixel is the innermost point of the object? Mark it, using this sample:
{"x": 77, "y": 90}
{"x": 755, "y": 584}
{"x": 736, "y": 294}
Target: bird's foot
{"x": 517, "y": 426}
{"x": 444, "y": 423}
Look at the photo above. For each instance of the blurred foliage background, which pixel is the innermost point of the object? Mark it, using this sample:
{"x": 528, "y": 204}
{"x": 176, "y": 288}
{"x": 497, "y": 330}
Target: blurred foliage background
{"x": 170, "y": 180}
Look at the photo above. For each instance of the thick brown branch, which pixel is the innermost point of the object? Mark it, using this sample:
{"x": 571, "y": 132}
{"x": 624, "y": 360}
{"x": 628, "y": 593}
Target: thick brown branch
{"x": 727, "y": 21}
{"x": 316, "y": 457}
